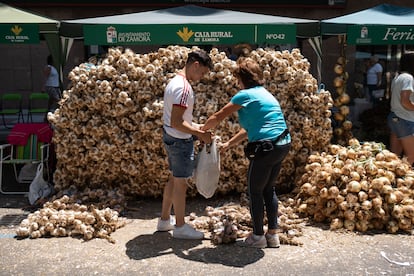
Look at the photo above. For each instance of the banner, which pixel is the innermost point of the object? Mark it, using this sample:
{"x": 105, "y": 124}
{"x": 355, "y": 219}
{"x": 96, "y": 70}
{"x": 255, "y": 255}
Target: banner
{"x": 19, "y": 33}
{"x": 276, "y": 34}
{"x": 189, "y": 34}
{"x": 380, "y": 34}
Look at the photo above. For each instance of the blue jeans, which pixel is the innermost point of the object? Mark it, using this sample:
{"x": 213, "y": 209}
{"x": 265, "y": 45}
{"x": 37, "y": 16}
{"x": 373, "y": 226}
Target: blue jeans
{"x": 371, "y": 88}
{"x": 54, "y": 97}
{"x": 180, "y": 154}
{"x": 261, "y": 181}
{"x": 400, "y": 127}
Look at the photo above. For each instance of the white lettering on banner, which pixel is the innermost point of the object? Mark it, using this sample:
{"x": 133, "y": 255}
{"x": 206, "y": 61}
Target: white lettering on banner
{"x": 17, "y": 38}
{"x": 275, "y": 36}
{"x": 364, "y": 40}
{"x": 213, "y": 34}
{"x": 394, "y": 35}
{"x": 134, "y": 37}
{"x": 210, "y": 39}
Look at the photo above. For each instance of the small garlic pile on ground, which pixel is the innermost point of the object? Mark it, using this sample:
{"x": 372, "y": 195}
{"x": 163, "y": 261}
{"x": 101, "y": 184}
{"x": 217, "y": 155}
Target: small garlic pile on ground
{"x": 61, "y": 218}
{"x": 100, "y": 198}
{"x": 108, "y": 129}
{"x": 232, "y": 221}
{"x": 359, "y": 187}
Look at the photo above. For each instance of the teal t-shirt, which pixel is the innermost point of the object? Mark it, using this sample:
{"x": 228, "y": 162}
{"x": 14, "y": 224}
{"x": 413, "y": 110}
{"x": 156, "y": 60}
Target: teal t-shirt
{"x": 261, "y": 115}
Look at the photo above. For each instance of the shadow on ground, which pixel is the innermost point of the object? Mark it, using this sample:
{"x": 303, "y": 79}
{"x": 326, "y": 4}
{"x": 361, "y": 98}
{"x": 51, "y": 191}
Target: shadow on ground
{"x": 161, "y": 243}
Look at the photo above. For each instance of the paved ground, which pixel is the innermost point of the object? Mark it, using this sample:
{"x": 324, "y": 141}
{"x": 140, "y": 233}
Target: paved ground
{"x": 140, "y": 250}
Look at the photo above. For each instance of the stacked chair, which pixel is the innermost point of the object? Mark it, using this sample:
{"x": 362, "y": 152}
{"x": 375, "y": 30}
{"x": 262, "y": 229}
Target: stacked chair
{"x": 11, "y": 106}
{"x": 38, "y": 104}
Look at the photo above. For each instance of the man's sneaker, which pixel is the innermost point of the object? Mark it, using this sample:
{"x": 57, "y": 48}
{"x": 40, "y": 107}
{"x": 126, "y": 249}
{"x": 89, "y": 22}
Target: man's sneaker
{"x": 166, "y": 225}
{"x": 257, "y": 241}
{"x": 187, "y": 232}
{"x": 272, "y": 240}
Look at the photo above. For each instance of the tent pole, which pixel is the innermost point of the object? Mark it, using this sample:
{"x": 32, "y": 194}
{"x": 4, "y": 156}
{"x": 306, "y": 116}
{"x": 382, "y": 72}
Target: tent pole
{"x": 316, "y": 43}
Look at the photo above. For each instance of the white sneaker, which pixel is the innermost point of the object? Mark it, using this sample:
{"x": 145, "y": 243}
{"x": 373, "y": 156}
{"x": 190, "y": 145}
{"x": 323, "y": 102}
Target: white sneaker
{"x": 272, "y": 240}
{"x": 257, "y": 241}
{"x": 166, "y": 225}
{"x": 187, "y": 232}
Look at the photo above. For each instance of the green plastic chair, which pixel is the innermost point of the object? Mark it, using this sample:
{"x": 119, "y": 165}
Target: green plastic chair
{"x": 38, "y": 104}
{"x": 11, "y": 105}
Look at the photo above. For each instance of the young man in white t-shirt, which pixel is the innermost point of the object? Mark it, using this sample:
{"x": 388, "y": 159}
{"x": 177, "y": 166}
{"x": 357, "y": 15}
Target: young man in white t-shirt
{"x": 51, "y": 85}
{"x": 374, "y": 77}
{"x": 178, "y": 132}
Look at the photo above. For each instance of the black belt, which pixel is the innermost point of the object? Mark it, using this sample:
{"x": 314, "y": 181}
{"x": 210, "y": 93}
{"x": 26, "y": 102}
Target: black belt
{"x": 266, "y": 145}
{"x": 258, "y": 149}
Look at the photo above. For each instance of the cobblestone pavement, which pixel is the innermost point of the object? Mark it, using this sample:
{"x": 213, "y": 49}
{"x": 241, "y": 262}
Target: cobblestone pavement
{"x": 140, "y": 250}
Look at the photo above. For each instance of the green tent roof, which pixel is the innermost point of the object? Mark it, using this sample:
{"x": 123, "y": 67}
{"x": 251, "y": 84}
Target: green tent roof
{"x": 190, "y": 14}
{"x": 385, "y": 14}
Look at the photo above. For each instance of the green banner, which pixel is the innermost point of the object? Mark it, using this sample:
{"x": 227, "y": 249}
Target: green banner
{"x": 380, "y": 34}
{"x": 167, "y": 34}
{"x": 19, "y": 33}
{"x": 188, "y": 34}
{"x": 276, "y": 34}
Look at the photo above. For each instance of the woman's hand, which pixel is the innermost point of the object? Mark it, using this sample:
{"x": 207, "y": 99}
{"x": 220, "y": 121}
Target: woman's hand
{"x": 223, "y": 146}
{"x": 219, "y": 116}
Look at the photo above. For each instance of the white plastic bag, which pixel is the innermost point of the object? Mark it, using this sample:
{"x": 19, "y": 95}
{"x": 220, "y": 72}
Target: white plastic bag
{"x": 208, "y": 169}
{"x": 27, "y": 172}
{"x": 39, "y": 188}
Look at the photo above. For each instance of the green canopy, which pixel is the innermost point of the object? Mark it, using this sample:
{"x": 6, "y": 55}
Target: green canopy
{"x": 190, "y": 25}
{"x": 21, "y": 27}
{"x": 381, "y": 25}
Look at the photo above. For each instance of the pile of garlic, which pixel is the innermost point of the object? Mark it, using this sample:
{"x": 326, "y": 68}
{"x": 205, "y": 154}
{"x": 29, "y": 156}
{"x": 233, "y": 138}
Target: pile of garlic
{"x": 231, "y": 221}
{"x": 358, "y": 187}
{"x": 62, "y": 218}
{"x": 108, "y": 128}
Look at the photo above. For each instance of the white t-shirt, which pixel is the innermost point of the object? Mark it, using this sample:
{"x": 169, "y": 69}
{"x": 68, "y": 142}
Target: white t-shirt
{"x": 53, "y": 78}
{"x": 404, "y": 81}
{"x": 180, "y": 93}
{"x": 372, "y": 77}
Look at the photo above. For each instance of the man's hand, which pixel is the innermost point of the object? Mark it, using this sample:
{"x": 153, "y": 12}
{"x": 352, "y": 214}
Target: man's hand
{"x": 197, "y": 126}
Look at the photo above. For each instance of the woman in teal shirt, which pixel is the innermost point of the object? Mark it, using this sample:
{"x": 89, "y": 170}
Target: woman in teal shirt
{"x": 264, "y": 126}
